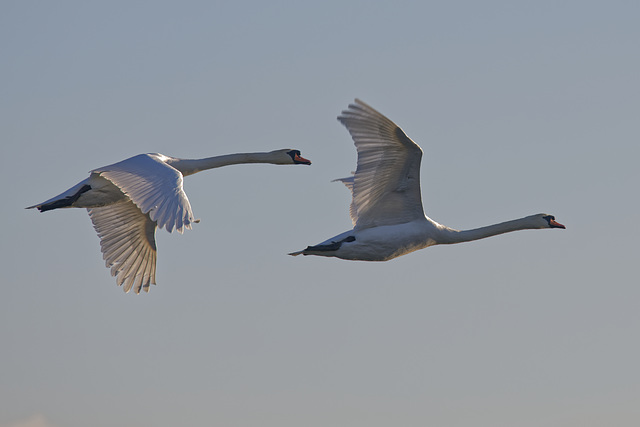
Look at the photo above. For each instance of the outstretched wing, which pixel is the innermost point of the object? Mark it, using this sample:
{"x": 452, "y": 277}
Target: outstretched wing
{"x": 386, "y": 184}
{"x": 353, "y": 208}
{"x": 127, "y": 242}
{"x": 155, "y": 187}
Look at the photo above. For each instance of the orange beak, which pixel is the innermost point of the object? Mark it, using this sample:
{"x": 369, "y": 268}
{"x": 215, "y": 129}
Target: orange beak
{"x": 556, "y": 224}
{"x": 299, "y": 159}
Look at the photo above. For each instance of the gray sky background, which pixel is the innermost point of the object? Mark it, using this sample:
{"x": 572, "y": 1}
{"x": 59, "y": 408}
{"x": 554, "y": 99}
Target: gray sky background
{"x": 520, "y": 107}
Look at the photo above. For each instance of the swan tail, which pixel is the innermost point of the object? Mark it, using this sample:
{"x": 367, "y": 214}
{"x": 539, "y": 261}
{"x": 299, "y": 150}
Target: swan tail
{"x": 324, "y": 248}
{"x": 314, "y": 250}
{"x": 62, "y": 201}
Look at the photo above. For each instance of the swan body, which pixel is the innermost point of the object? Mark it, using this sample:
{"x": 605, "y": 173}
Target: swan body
{"x": 386, "y": 208}
{"x": 128, "y": 200}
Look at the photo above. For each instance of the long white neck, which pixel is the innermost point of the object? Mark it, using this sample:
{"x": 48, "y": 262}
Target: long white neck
{"x": 450, "y": 236}
{"x": 191, "y": 166}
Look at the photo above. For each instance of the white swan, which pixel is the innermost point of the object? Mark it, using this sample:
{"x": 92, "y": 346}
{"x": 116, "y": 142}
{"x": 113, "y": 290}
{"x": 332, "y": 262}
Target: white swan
{"x": 386, "y": 208}
{"x": 129, "y": 199}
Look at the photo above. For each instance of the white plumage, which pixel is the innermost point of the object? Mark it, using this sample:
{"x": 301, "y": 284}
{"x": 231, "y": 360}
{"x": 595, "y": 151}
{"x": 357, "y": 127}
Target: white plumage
{"x": 386, "y": 207}
{"x": 127, "y": 200}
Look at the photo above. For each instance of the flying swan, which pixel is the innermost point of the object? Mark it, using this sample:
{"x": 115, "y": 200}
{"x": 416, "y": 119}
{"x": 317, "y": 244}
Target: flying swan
{"x": 126, "y": 201}
{"x": 386, "y": 207}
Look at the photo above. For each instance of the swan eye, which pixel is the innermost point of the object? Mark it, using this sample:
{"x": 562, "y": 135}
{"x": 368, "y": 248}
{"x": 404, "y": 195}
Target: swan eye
{"x": 293, "y": 153}
{"x": 551, "y": 220}
{"x": 297, "y": 158}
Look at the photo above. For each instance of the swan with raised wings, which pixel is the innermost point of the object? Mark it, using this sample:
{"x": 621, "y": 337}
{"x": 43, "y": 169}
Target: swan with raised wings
{"x": 128, "y": 200}
{"x": 386, "y": 207}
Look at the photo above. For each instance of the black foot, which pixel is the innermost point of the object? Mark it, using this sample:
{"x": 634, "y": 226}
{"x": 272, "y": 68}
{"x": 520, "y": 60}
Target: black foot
{"x": 66, "y": 202}
{"x": 333, "y": 246}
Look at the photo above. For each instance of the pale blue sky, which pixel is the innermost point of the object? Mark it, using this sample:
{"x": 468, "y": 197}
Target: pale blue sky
{"x": 520, "y": 107}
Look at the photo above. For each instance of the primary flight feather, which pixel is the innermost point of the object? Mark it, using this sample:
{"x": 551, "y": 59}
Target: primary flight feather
{"x": 386, "y": 207}
{"x": 128, "y": 200}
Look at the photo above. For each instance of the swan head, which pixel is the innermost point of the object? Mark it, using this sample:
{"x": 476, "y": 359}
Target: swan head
{"x": 288, "y": 156}
{"x": 547, "y": 221}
